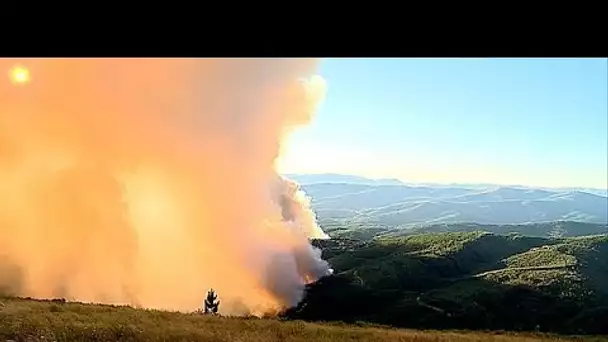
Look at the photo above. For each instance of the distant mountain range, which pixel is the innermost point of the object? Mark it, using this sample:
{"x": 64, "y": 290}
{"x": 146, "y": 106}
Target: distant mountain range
{"x": 307, "y": 179}
{"x": 345, "y": 199}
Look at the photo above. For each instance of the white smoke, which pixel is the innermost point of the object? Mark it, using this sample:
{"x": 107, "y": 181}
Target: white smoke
{"x": 149, "y": 181}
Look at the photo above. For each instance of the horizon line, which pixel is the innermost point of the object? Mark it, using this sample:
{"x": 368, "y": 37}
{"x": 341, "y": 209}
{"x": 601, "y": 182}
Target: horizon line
{"x": 443, "y": 184}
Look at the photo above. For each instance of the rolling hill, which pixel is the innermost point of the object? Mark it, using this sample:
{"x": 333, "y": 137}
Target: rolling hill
{"x": 467, "y": 280}
{"x": 350, "y": 200}
{"x": 555, "y": 229}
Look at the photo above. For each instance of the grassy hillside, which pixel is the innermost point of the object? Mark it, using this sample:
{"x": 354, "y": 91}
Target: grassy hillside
{"x": 471, "y": 280}
{"x": 27, "y": 320}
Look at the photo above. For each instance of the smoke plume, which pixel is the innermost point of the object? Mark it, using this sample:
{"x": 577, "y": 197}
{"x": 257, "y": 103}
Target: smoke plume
{"x": 149, "y": 181}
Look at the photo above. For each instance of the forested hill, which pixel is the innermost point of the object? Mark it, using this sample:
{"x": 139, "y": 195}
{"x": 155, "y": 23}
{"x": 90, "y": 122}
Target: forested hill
{"x": 555, "y": 229}
{"x": 466, "y": 280}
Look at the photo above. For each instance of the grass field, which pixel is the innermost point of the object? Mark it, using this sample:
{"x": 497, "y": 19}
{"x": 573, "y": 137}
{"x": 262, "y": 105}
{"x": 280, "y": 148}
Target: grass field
{"x": 29, "y": 320}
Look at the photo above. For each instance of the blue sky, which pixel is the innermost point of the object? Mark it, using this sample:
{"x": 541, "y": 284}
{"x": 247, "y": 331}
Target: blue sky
{"x": 536, "y": 122}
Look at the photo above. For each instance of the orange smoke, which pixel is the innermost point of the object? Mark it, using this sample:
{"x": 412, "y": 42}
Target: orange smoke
{"x": 149, "y": 181}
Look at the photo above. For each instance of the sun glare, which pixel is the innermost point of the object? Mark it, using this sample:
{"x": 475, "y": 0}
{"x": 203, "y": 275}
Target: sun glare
{"x": 19, "y": 75}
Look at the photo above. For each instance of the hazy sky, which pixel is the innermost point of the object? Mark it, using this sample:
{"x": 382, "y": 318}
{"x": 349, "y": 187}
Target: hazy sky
{"x": 506, "y": 121}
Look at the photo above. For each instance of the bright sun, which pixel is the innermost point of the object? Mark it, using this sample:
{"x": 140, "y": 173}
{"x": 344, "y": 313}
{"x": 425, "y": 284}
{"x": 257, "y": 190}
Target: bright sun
{"x": 19, "y": 75}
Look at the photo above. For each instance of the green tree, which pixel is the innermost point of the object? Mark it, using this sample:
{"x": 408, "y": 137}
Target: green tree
{"x": 211, "y": 303}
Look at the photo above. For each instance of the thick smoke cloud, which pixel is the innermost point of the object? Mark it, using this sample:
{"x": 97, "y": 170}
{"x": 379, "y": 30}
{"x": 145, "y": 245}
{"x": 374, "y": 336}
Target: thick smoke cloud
{"x": 149, "y": 181}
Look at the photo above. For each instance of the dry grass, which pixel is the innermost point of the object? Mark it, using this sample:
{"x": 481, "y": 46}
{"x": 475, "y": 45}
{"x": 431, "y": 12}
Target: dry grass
{"x": 25, "y": 320}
